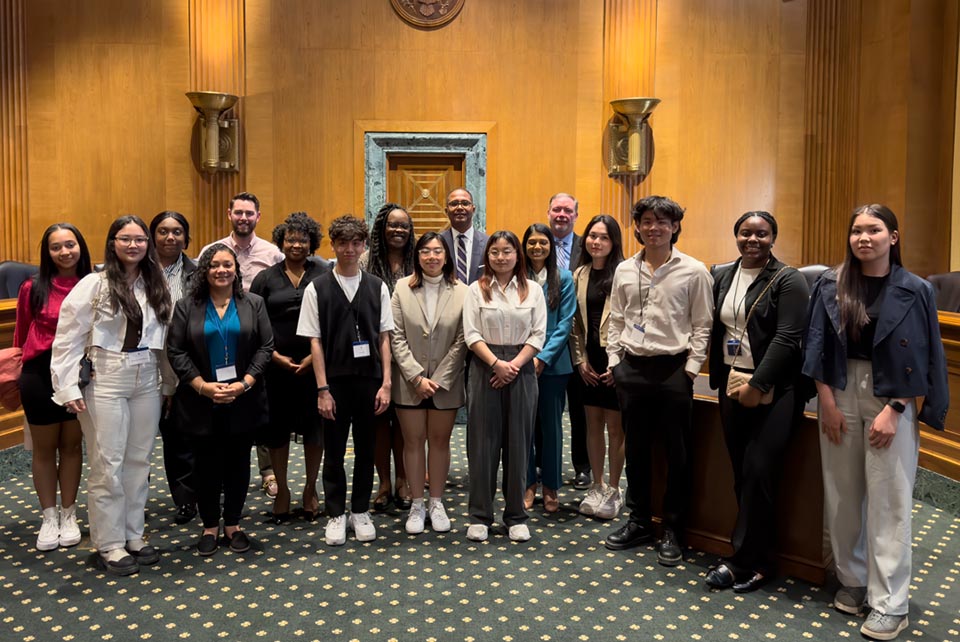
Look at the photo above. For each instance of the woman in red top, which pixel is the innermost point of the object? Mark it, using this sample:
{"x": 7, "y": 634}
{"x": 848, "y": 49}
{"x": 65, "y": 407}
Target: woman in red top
{"x": 64, "y": 260}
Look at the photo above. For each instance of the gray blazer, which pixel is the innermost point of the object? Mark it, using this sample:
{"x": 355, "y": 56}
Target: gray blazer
{"x": 437, "y": 352}
{"x": 475, "y": 268}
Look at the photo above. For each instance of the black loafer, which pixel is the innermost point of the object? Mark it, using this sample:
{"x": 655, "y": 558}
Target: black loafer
{"x": 207, "y": 545}
{"x": 669, "y": 552}
{"x": 126, "y": 565}
{"x": 239, "y": 542}
{"x": 146, "y": 556}
{"x": 582, "y": 480}
{"x": 185, "y": 514}
{"x": 721, "y": 577}
{"x": 627, "y": 536}
{"x": 756, "y": 581}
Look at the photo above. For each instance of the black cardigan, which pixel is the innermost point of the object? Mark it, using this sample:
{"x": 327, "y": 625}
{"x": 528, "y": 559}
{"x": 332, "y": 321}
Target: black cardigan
{"x": 187, "y": 349}
{"x": 774, "y": 331}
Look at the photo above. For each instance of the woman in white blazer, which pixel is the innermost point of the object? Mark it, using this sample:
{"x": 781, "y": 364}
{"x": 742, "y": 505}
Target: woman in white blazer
{"x": 428, "y": 372}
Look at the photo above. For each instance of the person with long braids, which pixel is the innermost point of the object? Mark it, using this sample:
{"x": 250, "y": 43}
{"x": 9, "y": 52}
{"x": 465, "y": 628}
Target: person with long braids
{"x": 118, "y": 320}
{"x": 64, "y": 260}
{"x": 873, "y": 347}
{"x": 505, "y": 325}
{"x": 552, "y": 365}
{"x": 390, "y": 258}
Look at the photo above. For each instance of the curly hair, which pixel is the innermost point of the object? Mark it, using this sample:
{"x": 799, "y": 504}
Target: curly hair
{"x": 200, "y": 285}
{"x": 379, "y": 263}
{"x": 121, "y": 296}
{"x": 347, "y": 228}
{"x": 662, "y": 207}
{"x": 298, "y": 223}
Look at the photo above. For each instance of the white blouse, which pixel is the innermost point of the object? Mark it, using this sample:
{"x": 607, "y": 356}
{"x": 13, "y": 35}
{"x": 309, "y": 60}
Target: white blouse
{"x": 504, "y": 319}
{"x": 733, "y": 315}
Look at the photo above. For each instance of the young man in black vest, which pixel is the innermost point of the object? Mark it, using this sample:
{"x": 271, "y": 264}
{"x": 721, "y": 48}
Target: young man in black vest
{"x": 347, "y": 315}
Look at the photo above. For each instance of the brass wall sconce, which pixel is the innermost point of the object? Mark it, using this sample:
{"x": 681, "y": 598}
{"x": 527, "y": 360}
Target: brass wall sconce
{"x": 628, "y": 140}
{"x": 220, "y": 137}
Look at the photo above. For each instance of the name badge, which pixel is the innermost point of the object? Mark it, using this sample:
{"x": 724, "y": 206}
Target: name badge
{"x": 639, "y": 328}
{"x": 226, "y": 373}
{"x": 733, "y": 347}
{"x": 361, "y": 349}
{"x": 138, "y": 357}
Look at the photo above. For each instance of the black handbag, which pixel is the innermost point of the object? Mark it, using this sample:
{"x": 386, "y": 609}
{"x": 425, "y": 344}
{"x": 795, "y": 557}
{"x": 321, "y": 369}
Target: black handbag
{"x": 86, "y": 372}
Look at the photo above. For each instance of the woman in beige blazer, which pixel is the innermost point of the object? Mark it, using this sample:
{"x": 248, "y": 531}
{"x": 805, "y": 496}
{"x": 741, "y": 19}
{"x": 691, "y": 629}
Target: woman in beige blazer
{"x": 601, "y": 253}
{"x": 428, "y": 372}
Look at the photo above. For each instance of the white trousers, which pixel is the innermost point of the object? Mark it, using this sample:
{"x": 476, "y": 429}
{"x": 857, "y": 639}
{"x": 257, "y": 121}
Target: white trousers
{"x": 868, "y": 495}
{"x": 119, "y": 428}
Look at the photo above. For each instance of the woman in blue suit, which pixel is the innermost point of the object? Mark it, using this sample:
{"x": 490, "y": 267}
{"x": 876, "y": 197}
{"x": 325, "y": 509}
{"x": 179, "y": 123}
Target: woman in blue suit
{"x": 552, "y": 363}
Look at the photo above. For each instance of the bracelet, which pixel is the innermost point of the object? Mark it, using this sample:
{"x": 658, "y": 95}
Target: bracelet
{"x": 418, "y": 381}
{"x": 494, "y": 364}
{"x": 322, "y": 389}
{"x": 246, "y": 386}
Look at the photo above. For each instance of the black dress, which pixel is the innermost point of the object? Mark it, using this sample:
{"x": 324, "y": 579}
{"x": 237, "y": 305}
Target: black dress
{"x": 292, "y": 398}
{"x": 600, "y": 396}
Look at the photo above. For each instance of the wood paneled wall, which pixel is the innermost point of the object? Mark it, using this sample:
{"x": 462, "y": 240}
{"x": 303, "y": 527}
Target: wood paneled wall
{"x": 13, "y": 133}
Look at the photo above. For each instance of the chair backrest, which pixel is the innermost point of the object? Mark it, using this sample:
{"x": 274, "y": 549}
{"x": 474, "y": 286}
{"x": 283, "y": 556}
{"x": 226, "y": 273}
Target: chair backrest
{"x": 716, "y": 267}
{"x": 12, "y": 276}
{"x": 812, "y": 272}
{"x": 947, "y": 287}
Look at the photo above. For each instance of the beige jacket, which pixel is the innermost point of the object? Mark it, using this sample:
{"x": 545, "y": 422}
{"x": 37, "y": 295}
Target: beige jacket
{"x": 437, "y": 352}
{"x": 578, "y": 338}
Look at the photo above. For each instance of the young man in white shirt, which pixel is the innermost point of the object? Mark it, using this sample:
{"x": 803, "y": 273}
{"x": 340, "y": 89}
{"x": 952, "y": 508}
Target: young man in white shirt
{"x": 661, "y": 313}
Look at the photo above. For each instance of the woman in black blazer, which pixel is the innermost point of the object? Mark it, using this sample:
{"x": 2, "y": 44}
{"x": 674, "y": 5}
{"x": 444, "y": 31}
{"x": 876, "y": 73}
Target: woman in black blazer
{"x": 220, "y": 343}
{"x": 760, "y": 316}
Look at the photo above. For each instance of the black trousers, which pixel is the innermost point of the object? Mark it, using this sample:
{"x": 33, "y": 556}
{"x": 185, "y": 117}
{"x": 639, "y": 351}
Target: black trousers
{"x": 222, "y": 466}
{"x": 578, "y": 423}
{"x": 656, "y": 398}
{"x": 178, "y": 463}
{"x": 757, "y": 440}
{"x": 354, "y": 397}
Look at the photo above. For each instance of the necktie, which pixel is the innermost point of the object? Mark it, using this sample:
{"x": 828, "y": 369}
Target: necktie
{"x": 563, "y": 255}
{"x": 462, "y": 258}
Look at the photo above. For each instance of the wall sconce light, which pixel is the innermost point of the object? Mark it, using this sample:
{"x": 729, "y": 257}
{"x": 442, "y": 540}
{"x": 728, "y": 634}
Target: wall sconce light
{"x": 220, "y": 137}
{"x": 628, "y": 140}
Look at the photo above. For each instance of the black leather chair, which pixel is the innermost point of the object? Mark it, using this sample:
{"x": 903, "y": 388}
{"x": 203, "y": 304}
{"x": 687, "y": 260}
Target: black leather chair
{"x": 716, "y": 267}
{"x": 12, "y": 276}
{"x": 812, "y": 272}
{"x": 947, "y": 287}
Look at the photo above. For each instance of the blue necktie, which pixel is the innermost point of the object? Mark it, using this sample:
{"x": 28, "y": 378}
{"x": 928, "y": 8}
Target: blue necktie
{"x": 563, "y": 255}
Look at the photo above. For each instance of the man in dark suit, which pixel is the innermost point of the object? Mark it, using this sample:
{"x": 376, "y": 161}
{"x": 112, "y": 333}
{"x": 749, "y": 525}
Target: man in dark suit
{"x": 465, "y": 242}
{"x": 562, "y": 215}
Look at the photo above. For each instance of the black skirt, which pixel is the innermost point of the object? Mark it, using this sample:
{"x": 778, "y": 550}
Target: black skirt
{"x": 600, "y": 396}
{"x": 293, "y": 409}
{"x": 36, "y": 391}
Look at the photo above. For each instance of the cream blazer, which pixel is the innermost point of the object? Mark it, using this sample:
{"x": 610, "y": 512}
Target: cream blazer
{"x": 436, "y": 352}
{"x": 578, "y": 338}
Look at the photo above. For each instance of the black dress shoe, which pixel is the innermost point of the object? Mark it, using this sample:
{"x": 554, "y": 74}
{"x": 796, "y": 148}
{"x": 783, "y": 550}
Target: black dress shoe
{"x": 146, "y": 556}
{"x": 185, "y": 514}
{"x": 721, "y": 577}
{"x": 207, "y": 545}
{"x": 239, "y": 542}
{"x": 627, "y": 536}
{"x": 126, "y": 565}
{"x": 748, "y": 586}
{"x": 279, "y": 518}
{"x": 668, "y": 551}
{"x": 582, "y": 480}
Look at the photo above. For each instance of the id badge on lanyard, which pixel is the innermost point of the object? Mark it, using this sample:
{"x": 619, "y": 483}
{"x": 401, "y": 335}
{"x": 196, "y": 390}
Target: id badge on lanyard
{"x": 361, "y": 349}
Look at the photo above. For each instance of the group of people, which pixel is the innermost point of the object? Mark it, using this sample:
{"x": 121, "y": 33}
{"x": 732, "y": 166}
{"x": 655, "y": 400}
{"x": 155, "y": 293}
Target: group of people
{"x": 402, "y": 330}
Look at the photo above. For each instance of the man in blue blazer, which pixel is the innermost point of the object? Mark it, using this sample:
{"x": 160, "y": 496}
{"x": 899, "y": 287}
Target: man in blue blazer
{"x": 466, "y": 243}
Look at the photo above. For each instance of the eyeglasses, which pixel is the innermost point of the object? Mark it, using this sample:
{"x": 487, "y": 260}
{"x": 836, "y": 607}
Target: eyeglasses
{"x": 498, "y": 253}
{"x": 427, "y": 251}
{"x": 453, "y": 204}
{"x": 132, "y": 240}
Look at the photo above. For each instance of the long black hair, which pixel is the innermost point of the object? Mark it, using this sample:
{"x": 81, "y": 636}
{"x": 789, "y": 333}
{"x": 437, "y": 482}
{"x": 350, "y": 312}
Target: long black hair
{"x": 448, "y": 270}
{"x": 378, "y": 264}
{"x": 553, "y": 274}
{"x": 40, "y": 289}
{"x": 519, "y": 270}
{"x": 615, "y": 257}
{"x": 178, "y": 217}
{"x": 121, "y": 296}
{"x": 199, "y": 283}
{"x": 851, "y": 283}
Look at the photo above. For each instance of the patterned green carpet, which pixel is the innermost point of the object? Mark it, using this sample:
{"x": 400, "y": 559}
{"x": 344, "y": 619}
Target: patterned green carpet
{"x": 561, "y": 585}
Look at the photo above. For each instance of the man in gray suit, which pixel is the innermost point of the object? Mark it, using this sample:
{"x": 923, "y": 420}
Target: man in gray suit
{"x": 465, "y": 242}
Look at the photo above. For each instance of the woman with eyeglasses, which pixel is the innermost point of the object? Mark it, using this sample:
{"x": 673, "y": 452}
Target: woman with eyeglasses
{"x": 505, "y": 325}
{"x": 390, "y": 258}
{"x": 118, "y": 320}
{"x": 428, "y": 370}
{"x": 289, "y": 380}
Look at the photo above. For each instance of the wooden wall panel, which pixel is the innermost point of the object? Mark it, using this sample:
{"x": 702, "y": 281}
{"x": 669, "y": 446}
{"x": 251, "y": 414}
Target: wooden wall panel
{"x": 14, "y": 232}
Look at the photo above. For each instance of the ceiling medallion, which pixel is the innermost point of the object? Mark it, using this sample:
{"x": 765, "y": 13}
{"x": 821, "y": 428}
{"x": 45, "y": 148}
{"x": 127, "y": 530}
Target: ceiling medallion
{"x": 427, "y": 13}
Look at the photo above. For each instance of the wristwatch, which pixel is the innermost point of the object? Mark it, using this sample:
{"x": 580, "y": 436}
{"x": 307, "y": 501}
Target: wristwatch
{"x": 897, "y": 405}
{"x": 246, "y": 386}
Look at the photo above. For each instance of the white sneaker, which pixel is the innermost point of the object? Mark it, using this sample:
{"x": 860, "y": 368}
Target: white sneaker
{"x": 612, "y": 503}
{"x": 49, "y": 537}
{"x": 519, "y": 533}
{"x": 69, "y": 531}
{"x": 336, "y": 531}
{"x": 592, "y": 501}
{"x": 477, "y": 532}
{"x": 362, "y": 526}
{"x": 416, "y": 518}
{"x": 438, "y": 516}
